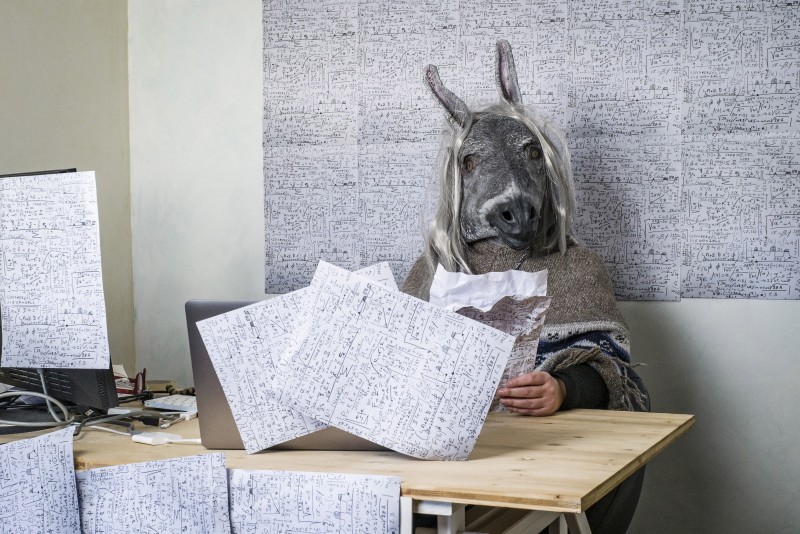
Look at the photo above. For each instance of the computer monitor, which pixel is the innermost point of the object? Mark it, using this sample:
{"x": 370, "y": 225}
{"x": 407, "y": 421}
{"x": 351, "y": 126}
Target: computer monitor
{"x": 94, "y": 388}
{"x": 36, "y": 173}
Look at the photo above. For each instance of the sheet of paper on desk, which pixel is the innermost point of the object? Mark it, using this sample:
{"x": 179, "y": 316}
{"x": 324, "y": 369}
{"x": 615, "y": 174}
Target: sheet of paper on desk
{"x": 51, "y": 285}
{"x": 322, "y": 503}
{"x": 246, "y": 347}
{"x": 394, "y": 369}
{"x": 187, "y": 494}
{"x": 242, "y": 345}
{"x": 37, "y": 485}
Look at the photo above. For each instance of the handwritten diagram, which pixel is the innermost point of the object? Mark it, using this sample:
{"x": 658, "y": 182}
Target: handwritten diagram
{"x": 248, "y": 349}
{"x": 353, "y": 352}
{"x": 51, "y": 284}
{"x": 37, "y": 485}
{"x": 186, "y": 494}
{"x": 521, "y": 318}
{"x": 313, "y": 503}
{"x": 391, "y": 368}
{"x": 653, "y": 96}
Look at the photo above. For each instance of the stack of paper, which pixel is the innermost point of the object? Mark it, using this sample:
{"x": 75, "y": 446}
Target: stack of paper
{"x": 353, "y": 352}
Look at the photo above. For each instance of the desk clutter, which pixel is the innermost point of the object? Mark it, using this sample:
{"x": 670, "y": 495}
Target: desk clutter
{"x": 41, "y": 492}
{"x": 351, "y": 351}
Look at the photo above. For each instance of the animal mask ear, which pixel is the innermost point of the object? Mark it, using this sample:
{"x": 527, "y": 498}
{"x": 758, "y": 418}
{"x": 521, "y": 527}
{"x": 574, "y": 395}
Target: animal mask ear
{"x": 507, "y": 74}
{"x": 457, "y": 109}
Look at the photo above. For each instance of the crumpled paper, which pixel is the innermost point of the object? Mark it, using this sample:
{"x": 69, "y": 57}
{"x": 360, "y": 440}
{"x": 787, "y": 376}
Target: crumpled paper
{"x": 513, "y": 302}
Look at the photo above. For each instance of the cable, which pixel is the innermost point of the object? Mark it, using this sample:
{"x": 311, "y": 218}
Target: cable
{"x": 91, "y": 421}
{"x": 68, "y": 419}
{"x": 98, "y": 427}
{"x": 47, "y": 399}
{"x": 143, "y": 396}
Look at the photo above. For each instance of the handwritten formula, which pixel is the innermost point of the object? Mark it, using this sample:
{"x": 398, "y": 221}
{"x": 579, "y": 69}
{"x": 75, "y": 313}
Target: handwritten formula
{"x": 51, "y": 284}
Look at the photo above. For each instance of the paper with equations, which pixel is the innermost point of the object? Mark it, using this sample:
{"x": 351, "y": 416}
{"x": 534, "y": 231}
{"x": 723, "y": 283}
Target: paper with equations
{"x": 352, "y": 353}
{"x": 318, "y": 503}
{"x": 185, "y": 494}
{"x": 393, "y": 369}
{"x": 51, "y": 283}
{"x": 248, "y": 349}
{"x": 37, "y": 485}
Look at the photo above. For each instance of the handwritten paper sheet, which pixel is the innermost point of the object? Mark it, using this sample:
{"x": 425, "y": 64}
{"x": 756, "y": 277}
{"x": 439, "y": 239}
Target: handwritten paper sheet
{"x": 512, "y": 301}
{"x": 393, "y": 369}
{"x": 521, "y": 318}
{"x": 318, "y": 503}
{"x": 51, "y": 284}
{"x": 37, "y": 485}
{"x": 683, "y": 120}
{"x": 187, "y": 494}
{"x": 247, "y": 348}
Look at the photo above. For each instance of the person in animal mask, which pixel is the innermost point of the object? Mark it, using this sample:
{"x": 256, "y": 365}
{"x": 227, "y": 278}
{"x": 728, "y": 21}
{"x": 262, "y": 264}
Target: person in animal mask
{"x": 507, "y": 202}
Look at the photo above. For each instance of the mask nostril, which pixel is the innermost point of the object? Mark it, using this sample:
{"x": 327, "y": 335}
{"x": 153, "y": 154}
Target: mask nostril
{"x": 507, "y": 216}
{"x": 532, "y": 214}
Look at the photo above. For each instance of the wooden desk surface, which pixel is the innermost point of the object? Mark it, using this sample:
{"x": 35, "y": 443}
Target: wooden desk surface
{"x": 562, "y": 463}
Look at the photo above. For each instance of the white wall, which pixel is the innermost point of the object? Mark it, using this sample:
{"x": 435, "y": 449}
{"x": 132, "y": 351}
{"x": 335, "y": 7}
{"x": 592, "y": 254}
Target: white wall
{"x": 64, "y": 104}
{"x": 195, "y": 86}
{"x": 735, "y": 365}
{"x": 196, "y": 176}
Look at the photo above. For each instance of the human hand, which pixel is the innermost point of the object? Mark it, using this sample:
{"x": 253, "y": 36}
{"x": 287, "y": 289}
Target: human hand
{"x": 535, "y": 393}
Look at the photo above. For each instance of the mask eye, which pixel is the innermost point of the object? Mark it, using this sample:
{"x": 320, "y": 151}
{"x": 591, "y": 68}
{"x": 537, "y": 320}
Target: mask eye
{"x": 470, "y": 163}
{"x": 534, "y": 152}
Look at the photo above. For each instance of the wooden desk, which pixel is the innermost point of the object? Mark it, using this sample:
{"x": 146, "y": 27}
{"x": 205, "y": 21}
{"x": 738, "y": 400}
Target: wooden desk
{"x": 555, "y": 465}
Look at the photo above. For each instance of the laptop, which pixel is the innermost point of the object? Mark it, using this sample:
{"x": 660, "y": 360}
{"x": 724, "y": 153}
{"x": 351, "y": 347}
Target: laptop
{"x": 217, "y": 426}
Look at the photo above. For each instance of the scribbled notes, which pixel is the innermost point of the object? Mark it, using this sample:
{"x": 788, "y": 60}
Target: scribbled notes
{"x": 393, "y": 369}
{"x": 318, "y": 503}
{"x": 521, "y": 318}
{"x": 185, "y": 494}
{"x": 51, "y": 285}
{"x": 248, "y": 349}
{"x": 37, "y": 485}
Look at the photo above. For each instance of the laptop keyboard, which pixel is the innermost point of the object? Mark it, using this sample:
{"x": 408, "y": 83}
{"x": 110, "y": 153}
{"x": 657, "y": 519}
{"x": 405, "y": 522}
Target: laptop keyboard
{"x": 174, "y": 403}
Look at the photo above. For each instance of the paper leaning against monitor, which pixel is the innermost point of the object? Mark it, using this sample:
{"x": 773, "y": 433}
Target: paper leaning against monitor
{"x": 51, "y": 283}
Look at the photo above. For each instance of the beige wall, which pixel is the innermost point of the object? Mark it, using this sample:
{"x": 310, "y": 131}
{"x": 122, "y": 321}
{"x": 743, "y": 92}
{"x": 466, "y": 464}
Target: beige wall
{"x": 64, "y": 103}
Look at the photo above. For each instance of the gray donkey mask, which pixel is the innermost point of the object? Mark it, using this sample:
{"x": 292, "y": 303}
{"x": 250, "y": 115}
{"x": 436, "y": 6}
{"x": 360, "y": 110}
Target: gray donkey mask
{"x": 504, "y": 164}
